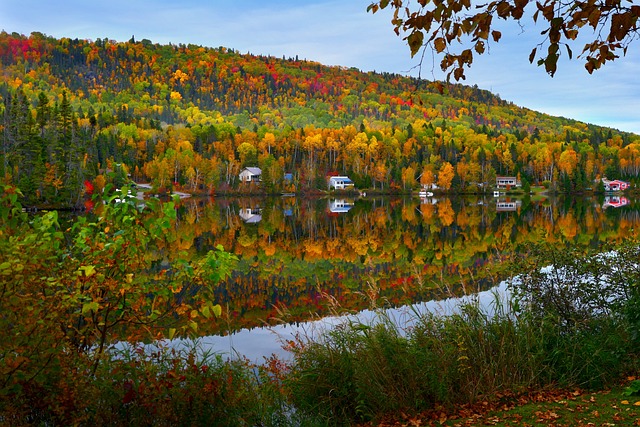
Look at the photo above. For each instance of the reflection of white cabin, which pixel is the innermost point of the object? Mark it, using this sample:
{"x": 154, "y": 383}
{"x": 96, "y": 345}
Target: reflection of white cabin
{"x": 615, "y": 201}
{"x": 428, "y": 201}
{"x": 615, "y": 185}
{"x": 340, "y": 205}
{"x": 340, "y": 182}
{"x": 507, "y": 205}
{"x": 251, "y": 215}
{"x": 507, "y": 182}
{"x": 250, "y": 174}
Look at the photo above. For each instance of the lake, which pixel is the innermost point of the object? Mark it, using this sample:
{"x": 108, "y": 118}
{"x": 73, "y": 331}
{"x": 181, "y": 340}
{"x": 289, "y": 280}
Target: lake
{"x": 303, "y": 259}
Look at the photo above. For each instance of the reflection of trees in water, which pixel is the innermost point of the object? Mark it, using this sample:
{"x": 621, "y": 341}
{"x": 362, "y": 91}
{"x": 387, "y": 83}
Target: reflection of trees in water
{"x": 298, "y": 250}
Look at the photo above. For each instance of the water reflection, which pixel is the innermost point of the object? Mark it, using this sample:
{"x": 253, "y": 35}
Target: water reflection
{"x": 508, "y": 205}
{"x": 251, "y": 215}
{"x": 340, "y": 205}
{"x": 258, "y": 344}
{"x": 615, "y": 201}
{"x": 297, "y": 256}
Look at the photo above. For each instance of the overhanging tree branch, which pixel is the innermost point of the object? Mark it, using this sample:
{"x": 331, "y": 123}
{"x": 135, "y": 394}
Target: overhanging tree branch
{"x": 458, "y": 30}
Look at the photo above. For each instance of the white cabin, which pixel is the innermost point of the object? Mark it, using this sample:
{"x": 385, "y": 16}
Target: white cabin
{"x": 340, "y": 182}
{"x": 250, "y": 174}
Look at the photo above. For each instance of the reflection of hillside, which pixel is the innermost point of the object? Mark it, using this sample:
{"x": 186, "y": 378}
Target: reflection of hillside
{"x": 297, "y": 252}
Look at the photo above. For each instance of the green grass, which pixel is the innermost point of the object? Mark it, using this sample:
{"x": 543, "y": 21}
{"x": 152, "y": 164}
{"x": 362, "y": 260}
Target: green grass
{"x": 604, "y": 408}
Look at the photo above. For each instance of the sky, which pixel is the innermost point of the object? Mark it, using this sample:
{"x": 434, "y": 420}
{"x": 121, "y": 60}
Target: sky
{"x": 339, "y": 32}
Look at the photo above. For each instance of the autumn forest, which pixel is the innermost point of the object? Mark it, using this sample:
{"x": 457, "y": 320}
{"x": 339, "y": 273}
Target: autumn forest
{"x": 78, "y": 114}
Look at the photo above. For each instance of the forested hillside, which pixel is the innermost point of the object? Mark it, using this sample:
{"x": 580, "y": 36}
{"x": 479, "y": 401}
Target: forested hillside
{"x": 77, "y": 114}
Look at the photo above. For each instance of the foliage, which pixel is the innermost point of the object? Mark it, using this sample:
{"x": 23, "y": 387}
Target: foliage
{"x": 633, "y": 389}
{"x": 56, "y": 369}
{"x": 68, "y": 295}
{"x": 183, "y": 387}
{"x": 574, "y": 288}
{"x": 441, "y": 24}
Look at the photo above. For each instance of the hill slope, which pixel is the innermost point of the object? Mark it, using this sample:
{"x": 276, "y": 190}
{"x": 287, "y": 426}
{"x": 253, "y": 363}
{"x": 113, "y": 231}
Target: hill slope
{"x": 78, "y": 110}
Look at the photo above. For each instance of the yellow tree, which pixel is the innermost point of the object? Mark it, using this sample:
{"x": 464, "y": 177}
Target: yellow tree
{"x": 248, "y": 154}
{"x": 159, "y": 171}
{"x": 379, "y": 173}
{"x": 427, "y": 179}
{"x": 568, "y": 161}
{"x": 267, "y": 141}
{"x": 408, "y": 177}
{"x": 463, "y": 170}
{"x": 445, "y": 176}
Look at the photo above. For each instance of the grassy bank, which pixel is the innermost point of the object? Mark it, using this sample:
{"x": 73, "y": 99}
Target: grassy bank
{"x": 563, "y": 328}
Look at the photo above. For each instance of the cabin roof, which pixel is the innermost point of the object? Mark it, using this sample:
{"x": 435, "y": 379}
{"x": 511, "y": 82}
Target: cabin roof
{"x": 253, "y": 170}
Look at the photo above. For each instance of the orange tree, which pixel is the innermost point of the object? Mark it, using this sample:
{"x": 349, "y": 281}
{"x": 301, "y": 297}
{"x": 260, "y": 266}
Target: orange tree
{"x": 439, "y": 24}
{"x": 66, "y": 295}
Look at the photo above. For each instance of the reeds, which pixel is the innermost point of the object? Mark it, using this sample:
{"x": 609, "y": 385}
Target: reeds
{"x": 362, "y": 371}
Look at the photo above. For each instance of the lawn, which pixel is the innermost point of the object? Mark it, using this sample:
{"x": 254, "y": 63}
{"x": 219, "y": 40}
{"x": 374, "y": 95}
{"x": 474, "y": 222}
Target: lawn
{"x": 551, "y": 408}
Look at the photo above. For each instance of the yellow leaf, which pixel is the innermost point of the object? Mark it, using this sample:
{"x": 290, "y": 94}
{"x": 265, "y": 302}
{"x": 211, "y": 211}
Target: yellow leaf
{"x": 637, "y": 403}
{"x": 625, "y": 402}
{"x": 172, "y": 333}
{"x": 86, "y": 270}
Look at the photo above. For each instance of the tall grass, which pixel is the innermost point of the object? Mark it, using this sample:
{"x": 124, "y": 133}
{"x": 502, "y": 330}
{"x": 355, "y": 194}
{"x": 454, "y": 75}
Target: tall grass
{"x": 164, "y": 387}
{"x": 359, "y": 371}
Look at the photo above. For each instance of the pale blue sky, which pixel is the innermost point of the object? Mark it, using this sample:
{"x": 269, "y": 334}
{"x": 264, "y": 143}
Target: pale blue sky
{"x": 339, "y": 32}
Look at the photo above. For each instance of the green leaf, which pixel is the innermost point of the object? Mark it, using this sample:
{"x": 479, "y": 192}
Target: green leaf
{"x": 90, "y": 306}
{"x": 206, "y": 311}
{"x": 633, "y": 389}
{"x": 217, "y": 310}
{"x": 169, "y": 210}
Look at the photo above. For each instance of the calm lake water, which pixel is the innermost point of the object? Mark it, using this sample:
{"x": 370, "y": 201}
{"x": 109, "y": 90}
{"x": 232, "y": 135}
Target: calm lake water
{"x": 304, "y": 259}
